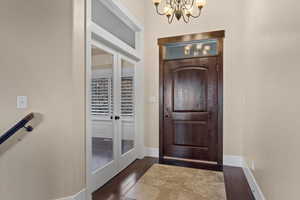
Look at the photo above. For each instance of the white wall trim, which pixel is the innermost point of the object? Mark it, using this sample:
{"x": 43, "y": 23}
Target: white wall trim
{"x": 257, "y": 192}
{"x": 151, "y": 152}
{"x": 235, "y": 161}
{"x": 114, "y": 42}
{"x": 79, "y": 196}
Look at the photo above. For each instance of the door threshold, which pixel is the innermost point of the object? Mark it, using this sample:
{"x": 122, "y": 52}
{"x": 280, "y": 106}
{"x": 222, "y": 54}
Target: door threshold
{"x": 190, "y": 160}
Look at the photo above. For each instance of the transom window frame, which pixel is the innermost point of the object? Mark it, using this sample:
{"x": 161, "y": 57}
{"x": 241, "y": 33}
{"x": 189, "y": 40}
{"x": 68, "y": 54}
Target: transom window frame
{"x": 111, "y": 40}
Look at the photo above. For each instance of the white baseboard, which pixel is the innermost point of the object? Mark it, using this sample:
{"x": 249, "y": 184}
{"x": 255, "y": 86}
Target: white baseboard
{"x": 257, "y": 192}
{"x": 151, "y": 152}
{"x": 234, "y": 161}
{"x": 79, "y": 196}
{"x": 239, "y": 161}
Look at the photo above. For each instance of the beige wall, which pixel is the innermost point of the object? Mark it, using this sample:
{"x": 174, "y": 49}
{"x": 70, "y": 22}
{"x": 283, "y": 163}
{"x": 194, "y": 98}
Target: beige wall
{"x": 36, "y": 61}
{"x": 41, "y": 59}
{"x": 272, "y": 98}
{"x": 214, "y": 17}
{"x": 136, "y": 8}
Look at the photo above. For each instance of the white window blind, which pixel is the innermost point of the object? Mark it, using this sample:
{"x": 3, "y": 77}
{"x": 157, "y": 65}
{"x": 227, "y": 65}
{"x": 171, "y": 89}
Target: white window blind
{"x": 127, "y": 96}
{"x": 102, "y": 96}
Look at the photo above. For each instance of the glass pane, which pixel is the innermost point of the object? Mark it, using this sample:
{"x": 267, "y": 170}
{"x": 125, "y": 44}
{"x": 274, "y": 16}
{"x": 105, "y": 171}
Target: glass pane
{"x": 103, "y": 17}
{"x": 197, "y": 48}
{"x": 101, "y": 108}
{"x": 127, "y": 106}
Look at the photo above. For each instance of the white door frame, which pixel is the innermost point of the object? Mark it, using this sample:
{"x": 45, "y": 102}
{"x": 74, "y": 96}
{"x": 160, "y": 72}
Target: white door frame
{"x": 135, "y": 54}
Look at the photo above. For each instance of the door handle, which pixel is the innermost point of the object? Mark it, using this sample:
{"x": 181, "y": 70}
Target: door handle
{"x": 117, "y": 117}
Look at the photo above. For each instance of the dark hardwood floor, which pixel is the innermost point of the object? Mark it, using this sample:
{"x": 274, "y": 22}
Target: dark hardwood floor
{"x": 236, "y": 184}
{"x": 237, "y": 187}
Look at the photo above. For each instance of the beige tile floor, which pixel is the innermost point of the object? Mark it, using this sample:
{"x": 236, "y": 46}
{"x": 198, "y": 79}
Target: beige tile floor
{"x": 164, "y": 182}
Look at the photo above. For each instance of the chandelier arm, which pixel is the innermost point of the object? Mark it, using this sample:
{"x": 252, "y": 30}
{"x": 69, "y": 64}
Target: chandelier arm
{"x": 190, "y": 5}
{"x": 198, "y": 15}
{"x": 186, "y": 20}
{"x": 171, "y": 3}
{"x": 158, "y": 12}
{"x": 170, "y": 19}
{"x": 184, "y": 2}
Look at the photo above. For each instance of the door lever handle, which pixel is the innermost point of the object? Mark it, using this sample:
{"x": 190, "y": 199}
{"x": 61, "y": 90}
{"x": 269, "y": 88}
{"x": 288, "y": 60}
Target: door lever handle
{"x": 117, "y": 117}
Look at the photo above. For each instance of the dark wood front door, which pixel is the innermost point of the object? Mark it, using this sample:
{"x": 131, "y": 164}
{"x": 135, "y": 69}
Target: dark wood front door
{"x": 190, "y": 109}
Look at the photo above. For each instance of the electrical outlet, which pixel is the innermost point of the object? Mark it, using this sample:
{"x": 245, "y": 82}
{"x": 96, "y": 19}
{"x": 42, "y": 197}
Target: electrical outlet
{"x": 252, "y": 165}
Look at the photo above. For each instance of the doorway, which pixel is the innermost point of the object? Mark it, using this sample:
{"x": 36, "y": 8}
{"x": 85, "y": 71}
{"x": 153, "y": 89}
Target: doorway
{"x": 191, "y": 96}
{"x": 114, "y": 91}
{"x": 112, "y": 113}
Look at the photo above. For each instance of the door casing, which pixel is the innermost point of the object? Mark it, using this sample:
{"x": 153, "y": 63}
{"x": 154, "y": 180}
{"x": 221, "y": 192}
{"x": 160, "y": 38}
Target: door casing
{"x": 219, "y": 36}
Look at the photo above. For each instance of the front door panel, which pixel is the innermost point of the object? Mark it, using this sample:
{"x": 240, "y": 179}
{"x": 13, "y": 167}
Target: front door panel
{"x": 190, "y": 109}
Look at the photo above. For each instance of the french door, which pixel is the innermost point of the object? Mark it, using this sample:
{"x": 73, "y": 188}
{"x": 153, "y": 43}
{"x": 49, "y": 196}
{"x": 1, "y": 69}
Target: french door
{"x": 111, "y": 111}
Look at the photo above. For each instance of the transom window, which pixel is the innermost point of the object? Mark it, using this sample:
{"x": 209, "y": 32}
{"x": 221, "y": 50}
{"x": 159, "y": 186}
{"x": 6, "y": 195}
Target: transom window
{"x": 114, "y": 25}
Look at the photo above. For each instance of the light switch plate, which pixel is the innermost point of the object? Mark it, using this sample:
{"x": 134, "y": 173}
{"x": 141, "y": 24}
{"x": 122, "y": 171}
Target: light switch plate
{"x": 22, "y": 102}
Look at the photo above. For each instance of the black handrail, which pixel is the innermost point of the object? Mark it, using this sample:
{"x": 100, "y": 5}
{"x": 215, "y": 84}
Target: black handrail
{"x": 18, "y": 126}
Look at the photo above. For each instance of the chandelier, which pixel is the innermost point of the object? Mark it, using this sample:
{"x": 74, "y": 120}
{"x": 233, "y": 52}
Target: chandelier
{"x": 184, "y": 9}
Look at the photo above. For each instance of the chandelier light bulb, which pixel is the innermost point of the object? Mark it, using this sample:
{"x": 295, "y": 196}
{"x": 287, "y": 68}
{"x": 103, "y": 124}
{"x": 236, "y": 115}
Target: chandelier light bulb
{"x": 188, "y": 12}
{"x": 168, "y": 10}
{"x": 169, "y": 13}
{"x": 156, "y": 2}
{"x": 200, "y": 3}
